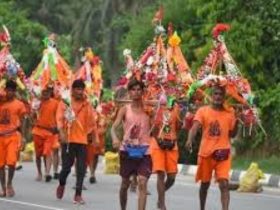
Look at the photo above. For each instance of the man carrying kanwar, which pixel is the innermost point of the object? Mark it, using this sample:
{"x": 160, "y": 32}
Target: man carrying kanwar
{"x": 218, "y": 125}
{"x": 74, "y": 135}
{"x": 135, "y": 156}
{"x": 12, "y": 124}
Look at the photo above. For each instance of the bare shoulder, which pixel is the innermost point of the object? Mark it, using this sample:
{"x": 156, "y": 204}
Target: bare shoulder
{"x": 122, "y": 110}
{"x": 120, "y": 113}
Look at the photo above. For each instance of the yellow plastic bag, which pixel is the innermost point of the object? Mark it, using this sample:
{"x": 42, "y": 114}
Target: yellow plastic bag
{"x": 112, "y": 163}
{"x": 29, "y": 147}
{"x": 27, "y": 154}
{"x": 250, "y": 181}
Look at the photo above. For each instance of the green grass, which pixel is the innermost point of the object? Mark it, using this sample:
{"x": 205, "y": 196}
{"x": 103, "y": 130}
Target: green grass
{"x": 269, "y": 165}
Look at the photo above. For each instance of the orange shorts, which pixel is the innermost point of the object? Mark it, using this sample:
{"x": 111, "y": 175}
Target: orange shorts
{"x": 43, "y": 145}
{"x": 206, "y": 167}
{"x": 165, "y": 160}
{"x": 56, "y": 143}
{"x": 91, "y": 153}
{"x": 101, "y": 147}
{"x": 9, "y": 147}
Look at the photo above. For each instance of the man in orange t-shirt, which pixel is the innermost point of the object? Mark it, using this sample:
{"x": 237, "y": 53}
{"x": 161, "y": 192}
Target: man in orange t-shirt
{"x": 164, "y": 149}
{"x": 93, "y": 149}
{"x": 74, "y": 135}
{"x": 218, "y": 126}
{"x": 12, "y": 113}
{"x": 44, "y": 133}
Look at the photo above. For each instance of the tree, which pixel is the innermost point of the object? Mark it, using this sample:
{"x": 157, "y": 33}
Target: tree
{"x": 26, "y": 35}
{"x": 93, "y": 23}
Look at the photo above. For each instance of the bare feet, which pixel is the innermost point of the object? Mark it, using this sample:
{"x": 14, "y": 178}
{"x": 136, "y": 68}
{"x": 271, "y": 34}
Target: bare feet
{"x": 10, "y": 191}
{"x": 159, "y": 207}
{"x": 39, "y": 178}
{"x": 3, "y": 193}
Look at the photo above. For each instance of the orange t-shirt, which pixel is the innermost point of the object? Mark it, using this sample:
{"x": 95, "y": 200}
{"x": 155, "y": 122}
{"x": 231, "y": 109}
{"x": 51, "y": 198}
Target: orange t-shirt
{"x": 78, "y": 130}
{"x": 167, "y": 121}
{"x": 11, "y": 113}
{"x": 46, "y": 117}
{"x": 216, "y": 127}
{"x": 173, "y": 120}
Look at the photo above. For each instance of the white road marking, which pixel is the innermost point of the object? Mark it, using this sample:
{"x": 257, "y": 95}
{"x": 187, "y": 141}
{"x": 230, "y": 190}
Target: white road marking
{"x": 189, "y": 183}
{"x": 30, "y": 204}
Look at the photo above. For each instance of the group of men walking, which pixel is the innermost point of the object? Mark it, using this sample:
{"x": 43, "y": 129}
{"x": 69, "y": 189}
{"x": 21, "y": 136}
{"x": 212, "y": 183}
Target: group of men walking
{"x": 218, "y": 125}
{"x": 149, "y": 144}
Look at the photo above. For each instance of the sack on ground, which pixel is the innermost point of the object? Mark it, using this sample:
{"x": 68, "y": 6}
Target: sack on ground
{"x": 112, "y": 163}
{"x": 250, "y": 181}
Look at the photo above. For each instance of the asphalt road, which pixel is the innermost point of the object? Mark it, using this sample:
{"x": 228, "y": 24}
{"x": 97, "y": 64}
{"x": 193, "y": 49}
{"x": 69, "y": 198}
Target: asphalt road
{"x": 32, "y": 195}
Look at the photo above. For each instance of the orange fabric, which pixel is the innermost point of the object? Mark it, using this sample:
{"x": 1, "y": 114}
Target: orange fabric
{"x": 43, "y": 145}
{"x": 18, "y": 136}
{"x": 9, "y": 147}
{"x": 99, "y": 149}
{"x": 92, "y": 149}
{"x": 206, "y": 166}
{"x": 216, "y": 126}
{"x": 165, "y": 160}
{"x": 173, "y": 123}
{"x": 56, "y": 143}
{"x": 232, "y": 90}
{"x": 180, "y": 60}
{"x": 100, "y": 129}
{"x": 152, "y": 92}
{"x": 91, "y": 152}
{"x": 64, "y": 71}
{"x": 84, "y": 123}
{"x": 45, "y": 77}
{"x": 46, "y": 117}
{"x": 102, "y": 125}
{"x": 11, "y": 113}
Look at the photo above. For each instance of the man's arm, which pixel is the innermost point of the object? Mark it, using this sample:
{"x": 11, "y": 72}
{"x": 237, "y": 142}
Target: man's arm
{"x": 179, "y": 121}
{"x": 24, "y": 130}
{"x": 192, "y": 134}
{"x": 117, "y": 122}
{"x": 59, "y": 121}
{"x": 236, "y": 120}
{"x": 154, "y": 123}
{"x": 95, "y": 137}
{"x": 234, "y": 131}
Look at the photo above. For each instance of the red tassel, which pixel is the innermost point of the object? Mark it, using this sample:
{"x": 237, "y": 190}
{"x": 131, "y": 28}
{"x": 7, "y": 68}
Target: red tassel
{"x": 122, "y": 81}
{"x": 220, "y": 27}
{"x": 4, "y": 38}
